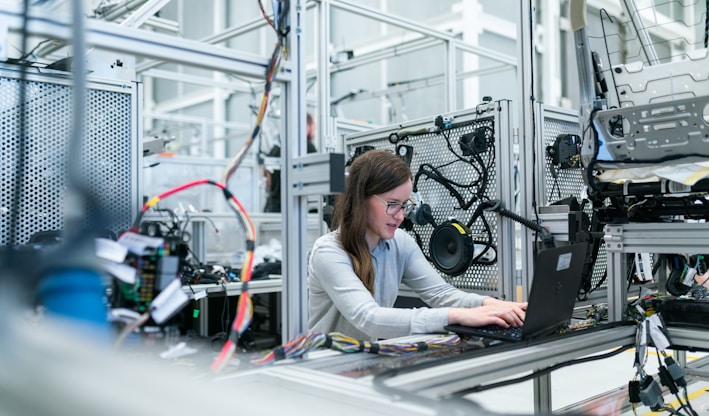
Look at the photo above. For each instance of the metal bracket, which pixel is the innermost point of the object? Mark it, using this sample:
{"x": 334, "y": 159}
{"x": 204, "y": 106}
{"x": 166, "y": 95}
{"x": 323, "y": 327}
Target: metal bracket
{"x": 657, "y": 238}
{"x": 555, "y": 218}
{"x": 613, "y": 237}
{"x": 318, "y": 174}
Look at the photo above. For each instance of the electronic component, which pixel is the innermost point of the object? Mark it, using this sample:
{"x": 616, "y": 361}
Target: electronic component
{"x": 358, "y": 152}
{"x": 651, "y": 393}
{"x": 693, "y": 312}
{"x": 564, "y": 153}
{"x": 156, "y": 270}
{"x": 476, "y": 142}
{"x": 444, "y": 122}
{"x": 405, "y": 152}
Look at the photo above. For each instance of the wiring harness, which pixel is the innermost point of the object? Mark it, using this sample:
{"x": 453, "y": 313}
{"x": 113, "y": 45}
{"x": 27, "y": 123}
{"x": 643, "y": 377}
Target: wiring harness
{"x": 313, "y": 340}
{"x": 244, "y": 312}
{"x": 644, "y": 388}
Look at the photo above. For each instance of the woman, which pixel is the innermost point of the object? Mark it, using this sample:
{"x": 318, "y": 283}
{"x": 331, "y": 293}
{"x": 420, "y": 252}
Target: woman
{"x": 354, "y": 272}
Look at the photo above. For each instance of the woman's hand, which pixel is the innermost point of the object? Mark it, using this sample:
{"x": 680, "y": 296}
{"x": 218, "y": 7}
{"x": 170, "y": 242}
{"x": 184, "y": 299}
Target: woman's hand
{"x": 493, "y": 311}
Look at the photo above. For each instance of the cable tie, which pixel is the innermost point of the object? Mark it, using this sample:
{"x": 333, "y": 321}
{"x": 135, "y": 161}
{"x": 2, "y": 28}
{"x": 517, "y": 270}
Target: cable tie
{"x": 245, "y": 287}
{"x": 361, "y": 346}
{"x": 279, "y": 353}
{"x": 374, "y": 348}
{"x": 421, "y": 346}
{"x": 227, "y": 193}
{"x": 328, "y": 341}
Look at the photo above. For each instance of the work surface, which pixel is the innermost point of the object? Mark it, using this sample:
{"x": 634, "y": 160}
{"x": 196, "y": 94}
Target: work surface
{"x": 89, "y": 379}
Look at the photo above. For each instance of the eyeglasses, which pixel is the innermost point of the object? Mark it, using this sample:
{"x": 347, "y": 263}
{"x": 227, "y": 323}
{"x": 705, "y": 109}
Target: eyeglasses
{"x": 393, "y": 208}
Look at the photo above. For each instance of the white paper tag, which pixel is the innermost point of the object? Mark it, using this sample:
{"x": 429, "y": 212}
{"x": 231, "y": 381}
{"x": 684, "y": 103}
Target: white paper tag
{"x": 122, "y": 272}
{"x": 168, "y": 302}
{"x": 110, "y": 250}
{"x": 689, "y": 276}
{"x": 140, "y": 244}
{"x": 643, "y": 267}
{"x": 659, "y": 339}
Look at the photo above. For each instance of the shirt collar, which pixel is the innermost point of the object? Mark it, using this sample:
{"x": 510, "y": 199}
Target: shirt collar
{"x": 381, "y": 246}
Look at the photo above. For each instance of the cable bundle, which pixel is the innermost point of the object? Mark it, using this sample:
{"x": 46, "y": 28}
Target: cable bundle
{"x": 294, "y": 348}
{"x": 245, "y": 305}
{"x": 340, "y": 342}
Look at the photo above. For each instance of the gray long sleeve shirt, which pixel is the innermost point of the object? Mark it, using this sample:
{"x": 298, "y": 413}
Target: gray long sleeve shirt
{"x": 339, "y": 302}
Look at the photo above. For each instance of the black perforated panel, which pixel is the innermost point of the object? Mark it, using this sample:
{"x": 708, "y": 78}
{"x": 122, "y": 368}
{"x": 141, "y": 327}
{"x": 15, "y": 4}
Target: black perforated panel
{"x": 473, "y": 176}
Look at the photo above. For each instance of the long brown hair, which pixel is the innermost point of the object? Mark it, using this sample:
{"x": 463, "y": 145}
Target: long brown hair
{"x": 372, "y": 173}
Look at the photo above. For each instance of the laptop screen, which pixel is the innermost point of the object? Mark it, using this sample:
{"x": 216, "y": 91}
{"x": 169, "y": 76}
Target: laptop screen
{"x": 555, "y": 285}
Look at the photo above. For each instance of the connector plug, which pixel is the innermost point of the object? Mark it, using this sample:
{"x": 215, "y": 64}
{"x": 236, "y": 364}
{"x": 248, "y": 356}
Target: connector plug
{"x": 675, "y": 371}
{"x": 651, "y": 394}
{"x": 667, "y": 381}
{"x": 634, "y": 391}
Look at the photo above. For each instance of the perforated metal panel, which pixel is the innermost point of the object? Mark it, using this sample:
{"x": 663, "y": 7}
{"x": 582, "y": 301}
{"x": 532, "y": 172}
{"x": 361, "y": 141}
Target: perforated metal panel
{"x": 561, "y": 183}
{"x": 476, "y": 178}
{"x": 109, "y": 154}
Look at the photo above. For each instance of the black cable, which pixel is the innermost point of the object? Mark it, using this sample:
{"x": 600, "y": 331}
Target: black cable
{"x": 537, "y": 373}
{"x": 608, "y": 53}
{"x": 555, "y": 176}
{"x": 419, "y": 241}
{"x": 225, "y": 309}
{"x": 481, "y": 182}
{"x": 496, "y": 206}
{"x": 533, "y": 116}
{"x": 629, "y": 277}
{"x": 436, "y": 177}
{"x": 666, "y": 379}
{"x": 706, "y": 24}
{"x": 481, "y": 172}
{"x": 488, "y": 245}
{"x": 484, "y": 178}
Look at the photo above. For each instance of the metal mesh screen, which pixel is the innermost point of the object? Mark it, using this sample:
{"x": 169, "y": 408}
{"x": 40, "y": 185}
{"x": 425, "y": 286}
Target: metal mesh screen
{"x": 562, "y": 183}
{"x": 474, "y": 177}
{"x": 107, "y": 162}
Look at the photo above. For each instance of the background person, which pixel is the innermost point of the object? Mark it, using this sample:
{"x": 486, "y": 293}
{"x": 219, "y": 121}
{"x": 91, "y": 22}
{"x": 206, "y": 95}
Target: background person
{"x": 273, "y": 179}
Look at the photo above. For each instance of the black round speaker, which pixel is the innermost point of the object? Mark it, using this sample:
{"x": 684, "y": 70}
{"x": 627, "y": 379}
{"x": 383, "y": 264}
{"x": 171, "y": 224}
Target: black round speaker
{"x": 451, "y": 248}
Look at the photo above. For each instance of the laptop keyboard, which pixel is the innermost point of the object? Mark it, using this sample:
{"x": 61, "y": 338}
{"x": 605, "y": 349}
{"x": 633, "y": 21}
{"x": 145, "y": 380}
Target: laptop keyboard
{"x": 513, "y": 331}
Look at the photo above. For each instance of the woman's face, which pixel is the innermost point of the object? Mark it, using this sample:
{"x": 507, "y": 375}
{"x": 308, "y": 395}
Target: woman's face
{"x": 379, "y": 223}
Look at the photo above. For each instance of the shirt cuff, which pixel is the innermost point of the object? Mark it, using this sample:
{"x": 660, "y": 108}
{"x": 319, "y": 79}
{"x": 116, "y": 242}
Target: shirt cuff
{"x": 432, "y": 321}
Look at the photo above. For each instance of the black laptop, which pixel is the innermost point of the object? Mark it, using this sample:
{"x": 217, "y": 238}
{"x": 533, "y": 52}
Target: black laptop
{"x": 557, "y": 277}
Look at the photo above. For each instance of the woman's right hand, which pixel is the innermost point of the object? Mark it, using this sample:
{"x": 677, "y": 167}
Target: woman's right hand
{"x": 501, "y": 313}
